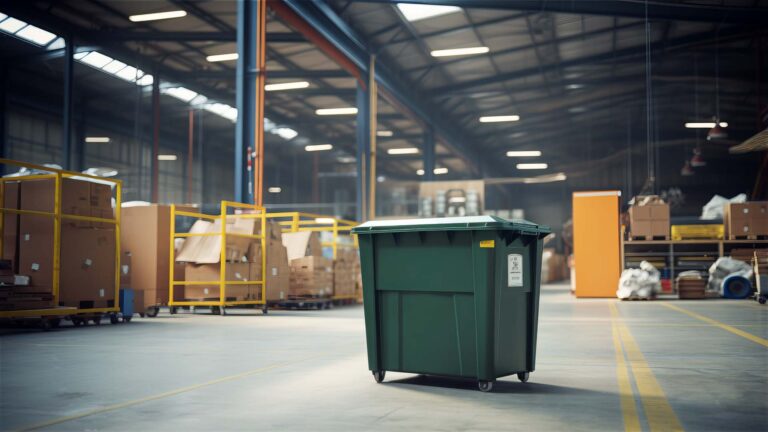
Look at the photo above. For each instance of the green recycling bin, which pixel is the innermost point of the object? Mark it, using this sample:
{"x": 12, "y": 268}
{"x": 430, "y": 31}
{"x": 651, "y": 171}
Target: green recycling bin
{"x": 455, "y": 296}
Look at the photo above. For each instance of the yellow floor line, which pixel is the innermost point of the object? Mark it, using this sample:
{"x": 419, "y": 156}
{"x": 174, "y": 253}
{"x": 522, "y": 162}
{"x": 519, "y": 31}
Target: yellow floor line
{"x": 726, "y": 327}
{"x": 658, "y": 412}
{"x": 626, "y": 398}
{"x": 159, "y": 396}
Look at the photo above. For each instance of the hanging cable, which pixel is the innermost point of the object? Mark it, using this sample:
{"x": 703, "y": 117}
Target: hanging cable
{"x": 648, "y": 107}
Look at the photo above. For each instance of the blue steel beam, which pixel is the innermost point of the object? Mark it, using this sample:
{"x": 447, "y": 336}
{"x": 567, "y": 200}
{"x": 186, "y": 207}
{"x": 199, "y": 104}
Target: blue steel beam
{"x": 247, "y": 28}
{"x": 66, "y": 118}
{"x": 429, "y": 154}
{"x": 325, "y": 21}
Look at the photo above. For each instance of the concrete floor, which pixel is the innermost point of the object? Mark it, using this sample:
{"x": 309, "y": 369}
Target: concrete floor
{"x": 601, "y": 365}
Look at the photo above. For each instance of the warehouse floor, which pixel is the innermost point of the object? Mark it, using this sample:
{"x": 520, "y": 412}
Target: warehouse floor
{"x": 700, "y": 364}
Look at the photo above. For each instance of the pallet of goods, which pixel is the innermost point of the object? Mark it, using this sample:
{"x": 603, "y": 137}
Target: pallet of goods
{"x": 747, "y": 220}
{"x": 649, "y": 218}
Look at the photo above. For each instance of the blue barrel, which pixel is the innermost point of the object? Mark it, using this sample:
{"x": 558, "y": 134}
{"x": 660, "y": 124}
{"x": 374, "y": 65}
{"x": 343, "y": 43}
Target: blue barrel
{"x": 736, "y": 287}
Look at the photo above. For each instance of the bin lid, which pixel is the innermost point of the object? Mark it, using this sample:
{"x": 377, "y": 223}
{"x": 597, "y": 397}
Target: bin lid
{"x": 468, "y": 223}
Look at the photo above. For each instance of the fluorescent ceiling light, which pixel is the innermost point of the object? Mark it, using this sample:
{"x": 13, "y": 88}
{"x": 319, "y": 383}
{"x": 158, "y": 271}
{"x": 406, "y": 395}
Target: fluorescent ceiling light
{"x": 158, "y": 16}
{"x": 285, "y": 133}
{"x": 336, "y": 111}
{"x": 523, "y": 153}
{"x": 36, "y": 35}
{"x": 384, "y": 133}
{"x": 96, "y": 139}
{"x": 222, "y": 57}
{"x": 12, "y": 25}
{"x": 574, "y": 86}
{"x": 420, "y": 172}
{"x": 499, "y": 119}
{"x": 346, "y": 159}
{"x": 180, "y": 93}
{"x": 402, "y": 151}
{"x": 166, "y": 157}
{"x": 439, "y": 171}
{"x": 704, "y": 125}
{"x": 318, "y": 147}
{"x": 546, "y": 178}
{"x": 459, "y": 51}
{"x": 275, "y": 189}
{"x": 416, "y": 12}
{"x": 531, "y": 166}
{"x": 286, "y": 86}
{"x": 324, "y": 220}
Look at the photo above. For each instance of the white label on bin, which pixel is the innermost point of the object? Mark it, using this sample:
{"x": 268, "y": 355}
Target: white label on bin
{"x": 514, "y": 270}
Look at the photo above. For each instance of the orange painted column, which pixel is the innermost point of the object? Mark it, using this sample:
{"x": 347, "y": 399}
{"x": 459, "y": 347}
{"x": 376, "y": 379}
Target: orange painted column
{"x": 596, "y": 243}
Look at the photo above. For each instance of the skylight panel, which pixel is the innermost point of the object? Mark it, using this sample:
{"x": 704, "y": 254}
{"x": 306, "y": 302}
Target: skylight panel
{"x": 12, "y": 25}
{"x": 417, "y": 12}
{"x": 96, "y": 59}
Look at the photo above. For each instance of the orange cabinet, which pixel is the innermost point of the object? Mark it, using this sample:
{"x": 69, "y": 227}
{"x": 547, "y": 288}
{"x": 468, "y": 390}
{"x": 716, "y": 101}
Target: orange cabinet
{"x": 596, "y": 254}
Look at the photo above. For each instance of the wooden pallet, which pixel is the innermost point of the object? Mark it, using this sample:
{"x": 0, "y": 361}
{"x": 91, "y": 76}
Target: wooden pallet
{"x": 647, "y": 238}
{"x": 748, "y": 237}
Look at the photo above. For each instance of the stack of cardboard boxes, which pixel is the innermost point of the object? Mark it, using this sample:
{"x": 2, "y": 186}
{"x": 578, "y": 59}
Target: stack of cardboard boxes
{"x": 144, "y": 236}
{"x": 87, "y": 277}
{"x": 649, "y": 218}
{"x": 278, "y": 271}
{"x": 311, "y": 273}
{"x": 746, "y": 220}
{"x": 344, "y": 276}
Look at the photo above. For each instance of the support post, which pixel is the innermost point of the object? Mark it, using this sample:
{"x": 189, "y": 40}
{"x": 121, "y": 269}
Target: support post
{"x": 372, "y": 127}
{"x": 80, "y": 147}
{"x": 190, "y": 154}
{"x": 155, "y": 138}
{"x": 251, "y": 50}
{"x": 429, "y": 153}
{"x": 362, "y": 134}
{"x": 66, "y": 118}
{"x": 4, "y": 145}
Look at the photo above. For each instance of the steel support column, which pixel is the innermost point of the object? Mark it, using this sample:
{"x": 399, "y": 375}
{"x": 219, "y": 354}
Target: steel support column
{"x": 190, "y": 154}
{"x": 4, "y": 146}
{"x": 66, "y": 111}
{"x": 251, "y": 49}
{"x": 155, "y": 138}
{"x": 363, "y": 135}
{"x": 429, "y": 154}
{"x": 372, "y": 128}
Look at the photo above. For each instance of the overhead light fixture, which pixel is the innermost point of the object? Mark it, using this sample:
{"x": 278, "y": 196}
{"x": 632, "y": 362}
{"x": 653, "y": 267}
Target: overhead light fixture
{"x": 499, "y": 119}
{"x": 574, "y": 86}
{"x": 524, "y": 153}
{"x": 686, "y": 170}
{"x": 697, "y": 161}
{"x": 346, "y": 159}
{"x": 158, "y": 16}
{"x": 96, "y": 139}
{"x": 417, "y": 12}
{"x": 274, "y": 189}
{"x": 318, "y": 147}
{"x": 222, "y": 57}
{"x": 166, "y": 157}
{"x": 459, "y": 51}
{"x": 439, "y": 171}
{"x": 704, "y": 125}
{"x": 531, "y": 166}
{"x": 286, "y": 86}
{"x": 717, "y": 132}
{"x": 420, "y": 172}
{"x": 403, "y": 151}
{"x": 381, "y": 179}
{"x": 384, "y": 133}
{"x": 324, "y": 220}
{"x": 336, "y": 111}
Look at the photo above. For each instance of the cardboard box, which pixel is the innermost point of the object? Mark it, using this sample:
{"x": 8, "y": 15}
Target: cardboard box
{"x": 11, "y": 200}
{"x": 36, "y": 251}
{"x": 311, "y": 276}
{"x": 38, "y": 195}
{"x": 302, "y": 244}
{"x": 125, "y": 270}
{"x": 649, "y": 217}
{"x": 211, "y": 272}
{"x": 87, "y": 278}
{"x": 144, "y": 232}
{"x": 746, "y": 219}
{"x": 207, "y": 249}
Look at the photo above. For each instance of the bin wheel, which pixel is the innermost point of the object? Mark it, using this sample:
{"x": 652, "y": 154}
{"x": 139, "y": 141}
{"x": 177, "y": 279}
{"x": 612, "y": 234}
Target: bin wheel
{"x": 55, "y": 322}
{"x": 523, "y": 376}
{"x": 114, "y": 319}
{"x": 485, "y": 386}
{"x": 77, "y": 322}
{"x": 152, "y": 311}
{"x": 127, "y": 319}
{"x": 762, "y": 299}
{"x": 142, "y": 315}
{"x": 379, "y": 376}
{"x": 97, "y": 320}
{"x": 172, "y": 310}
{"x": 265, "y": 310}
{"x": 223, "y": 311}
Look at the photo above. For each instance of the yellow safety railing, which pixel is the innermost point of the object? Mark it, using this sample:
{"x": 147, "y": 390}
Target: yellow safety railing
{"x": 58, "y": 175}
{"x": 299, "y": 221}
{"x": 257, "y": 213}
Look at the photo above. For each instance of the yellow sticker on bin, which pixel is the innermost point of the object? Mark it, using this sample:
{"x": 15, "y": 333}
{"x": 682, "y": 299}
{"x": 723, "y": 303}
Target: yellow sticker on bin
{"x": 487, "y": 243}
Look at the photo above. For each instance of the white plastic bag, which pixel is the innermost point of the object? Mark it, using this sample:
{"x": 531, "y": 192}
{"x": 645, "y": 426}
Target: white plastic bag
{"x": 639, "y": 283}
{"x": 723, "y": 267}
